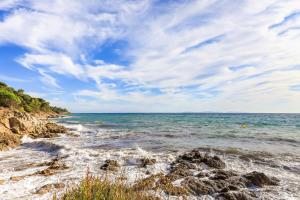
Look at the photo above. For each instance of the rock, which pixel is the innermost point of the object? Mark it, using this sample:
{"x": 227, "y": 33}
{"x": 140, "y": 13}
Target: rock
{"x": 54, "y": 168}
{"x": 234, "y": 196}
{"x": 202, "y": 174}
{"x": 197, "y": 187}
{"x": 196, "y": 157}
{"x": 147, "y": 161}
{"x": 110, "y": 165}
{"x": 8, "y": 140}
{"x": 214, "y": 162}
{"x": 223, "y": 175}
{"x": 178, "y": 173}
{"x": 47, "y": 188}
{"x": 259, "y": 179}
{"x": 16, "y": 125}
{"x": 183, "y": 164}
{"x": 55, "y": 128}
{"x": 148, "y": 183}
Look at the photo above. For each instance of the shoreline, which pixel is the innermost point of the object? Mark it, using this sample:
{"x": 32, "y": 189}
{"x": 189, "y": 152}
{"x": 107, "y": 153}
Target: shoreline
{"x": 14, "y": 125}
{"x": 45, "y": 166}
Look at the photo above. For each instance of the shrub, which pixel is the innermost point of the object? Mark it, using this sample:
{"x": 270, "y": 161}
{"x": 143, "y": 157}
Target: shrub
{"x": 8, "y": 98}
{"x": 92, "y": 188}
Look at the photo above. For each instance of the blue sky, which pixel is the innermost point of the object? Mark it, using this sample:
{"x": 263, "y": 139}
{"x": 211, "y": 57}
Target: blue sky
{"x": 154, "y": 56}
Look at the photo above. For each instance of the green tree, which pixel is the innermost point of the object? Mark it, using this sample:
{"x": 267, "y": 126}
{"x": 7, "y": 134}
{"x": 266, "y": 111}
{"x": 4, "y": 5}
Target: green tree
{"x": 8, "y": 98}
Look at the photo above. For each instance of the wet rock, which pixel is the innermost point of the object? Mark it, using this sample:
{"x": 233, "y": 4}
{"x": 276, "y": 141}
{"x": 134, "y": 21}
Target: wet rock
{"x": 55, "y": 128}
{"x": 237, "y": 181}
{"x": 202, "y": 174}
{"x": 259, "y": 179}
{"x": 166, "y": 185}
{"x": 47, "y": 188}
{"x": 214, "y": 162}
{"x": 223, "y": 175}
{"x": 147, "y": 161}
{"x": 148, "y": 183}
{"x": 54, "y": 168}
{"x": 110, "y": 165}
{"x": 183, "y": 164}
{"x": 234, "y": 196}
{"x": 197, "y": 187}
{"x": 196, "y": 157}
{"x": 178, "y": 173}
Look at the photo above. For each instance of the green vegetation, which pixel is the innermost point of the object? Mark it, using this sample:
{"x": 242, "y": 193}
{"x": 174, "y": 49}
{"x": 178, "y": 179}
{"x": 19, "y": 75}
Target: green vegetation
{"x": 9, "y": 97}
{"x": 92, "y": 188}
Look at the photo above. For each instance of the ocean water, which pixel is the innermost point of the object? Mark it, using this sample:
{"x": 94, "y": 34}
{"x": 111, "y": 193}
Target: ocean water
{"x": 269, "y": 143}
{"x": 185, "y": 131}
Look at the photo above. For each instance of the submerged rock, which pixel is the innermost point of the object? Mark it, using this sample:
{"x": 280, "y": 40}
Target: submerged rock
{"x": 110, "y": 165}
{"x": 147, "y": 161}
{"x": 54, "y": 168}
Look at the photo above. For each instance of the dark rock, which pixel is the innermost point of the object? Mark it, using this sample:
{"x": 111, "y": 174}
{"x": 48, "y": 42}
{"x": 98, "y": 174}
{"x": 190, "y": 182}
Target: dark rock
{"x": 202, "y": 174}
{"x": 214, "y": 162}
{"x": 183, "y": 164}
{"x": 194, "y": 156}
{"x": 259, "y": 179}
{"x": 178, "y": 173}
{"x": 110, "y": 165}
{"x": 223, "y": 175}
{"x": 234, "y": 196}
{"x": 147, "y": 161}
{"x": 197, "y": 187}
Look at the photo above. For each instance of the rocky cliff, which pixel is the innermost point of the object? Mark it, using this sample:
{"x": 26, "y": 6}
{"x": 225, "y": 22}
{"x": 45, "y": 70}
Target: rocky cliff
{"x": 15, "y": 124}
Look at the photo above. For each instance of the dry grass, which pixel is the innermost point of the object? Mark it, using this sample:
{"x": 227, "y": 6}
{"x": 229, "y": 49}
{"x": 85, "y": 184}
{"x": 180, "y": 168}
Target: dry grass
{"x": 95, "y": 188}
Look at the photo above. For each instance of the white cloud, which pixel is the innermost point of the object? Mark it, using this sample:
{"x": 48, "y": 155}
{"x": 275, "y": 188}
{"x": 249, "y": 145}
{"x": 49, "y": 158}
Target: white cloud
{"x": 186, "y": 55}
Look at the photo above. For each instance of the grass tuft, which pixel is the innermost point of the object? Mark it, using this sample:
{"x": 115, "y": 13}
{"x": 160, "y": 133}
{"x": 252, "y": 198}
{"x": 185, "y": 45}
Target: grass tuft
{"x": 92, "y": 188}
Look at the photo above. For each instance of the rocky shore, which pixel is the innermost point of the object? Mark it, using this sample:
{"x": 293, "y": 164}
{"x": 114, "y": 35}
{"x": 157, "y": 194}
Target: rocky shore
{"x": 15, "y": 124}
{"x": 198, "y": 174}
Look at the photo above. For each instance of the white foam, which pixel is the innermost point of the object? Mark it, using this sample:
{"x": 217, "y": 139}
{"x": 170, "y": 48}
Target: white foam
{"x": 26, "y": 139}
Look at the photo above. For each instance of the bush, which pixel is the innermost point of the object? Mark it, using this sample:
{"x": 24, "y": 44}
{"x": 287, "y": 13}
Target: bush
{"x": 8, "y": 98}
{"x": 92, "y": 188}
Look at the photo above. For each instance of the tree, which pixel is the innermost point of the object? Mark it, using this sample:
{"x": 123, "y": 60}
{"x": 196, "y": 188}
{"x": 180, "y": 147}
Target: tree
{"x": 8, "y": 98}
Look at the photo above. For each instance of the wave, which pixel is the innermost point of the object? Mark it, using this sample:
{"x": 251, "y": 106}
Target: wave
{"x": 45, "y": 146}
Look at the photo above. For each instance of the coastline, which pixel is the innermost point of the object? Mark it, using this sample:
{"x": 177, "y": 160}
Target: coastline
{"x": 44, "y": 166}
{"x": 14, "y": 125}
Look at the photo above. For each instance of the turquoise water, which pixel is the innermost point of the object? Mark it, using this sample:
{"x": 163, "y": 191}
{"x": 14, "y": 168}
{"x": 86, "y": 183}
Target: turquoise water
{"x": 268, "y": 143}
{"x": 275, "y": 133}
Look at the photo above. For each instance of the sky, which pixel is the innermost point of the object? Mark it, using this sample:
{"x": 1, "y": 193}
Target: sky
{"x": 154, "y": 55}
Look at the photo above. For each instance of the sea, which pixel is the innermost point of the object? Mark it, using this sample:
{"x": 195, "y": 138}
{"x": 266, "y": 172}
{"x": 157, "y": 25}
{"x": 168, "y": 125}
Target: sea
{"x": 269, "y": 143}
